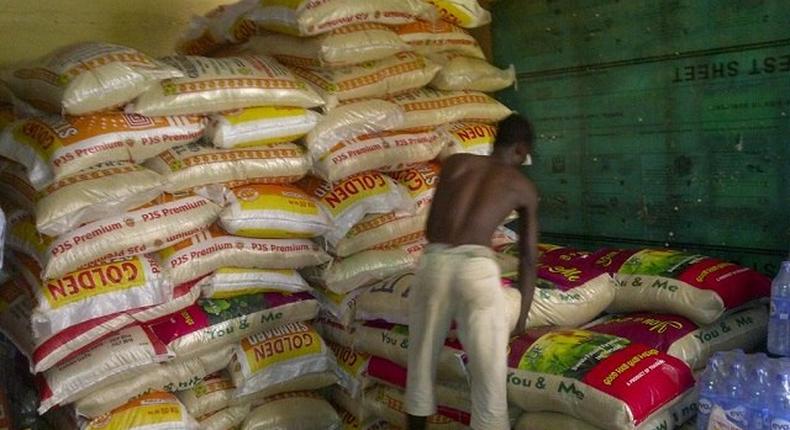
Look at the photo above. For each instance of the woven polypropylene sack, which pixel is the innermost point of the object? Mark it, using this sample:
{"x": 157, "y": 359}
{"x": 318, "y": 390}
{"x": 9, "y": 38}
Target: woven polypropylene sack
{"x": 226, "y": 419}
{"x": 308, "y": 18}
{"x": 97, "y": 291}
{"x": 389, "y": 404}
{"x": 347, "y": 202}
{"x": 220, "y": 84}
{"x": 16, "y": 307}
{"x": 100, "y": 192}
{"x": 469, "y": 138}
{"x": 37, "y": 171}
{"x": 15, "y": 187}
{"x": 210, "y": 395}
{"x": 387, "y": 151}
{"x": 368, "y": 267}
{"x": 305, "y": 410}
{"x": 214, "y": 249}
{"x": 393, "y": 75}
{"x": 420, "y": 180}
{"x": 340, "y": 307}
{"x": 355, "y": 118}
{"x": 211, "y": 324}
{"x": 157, "y": 225}
{"x": 67, "y": 145}
{"x": 570, "y": 289}
{"x": 23, "y": 238}
{"x": 223, "y": 24}
{"x": 88, "y": 77}
{"x": 153, "y": 411}
{"x": 351, "y": 422}
{"x": 171, "y": 376}
{"x": 382, "y": 231}
{"x": 58, "y": 347}
{"x": 460, "y": 72}
{"x": 233, "y": 281}
{"x": 258, "y": 126}
{"x": 432, "y": 108}
{"x": 352, "y": 370}
{"x": 349, "y": 45}
{"x": 132, "y": 350}
{"x": 273, "y": 211}
{"x": 197, "y": 165}
{"x": 465, "y": 13}
{"x": 604, "y": 380}
{"x": 277, "y": 356}
{"x": 682, "y": 338}
{"x": 694, "y": 286}
{"x": 428, "y": 38}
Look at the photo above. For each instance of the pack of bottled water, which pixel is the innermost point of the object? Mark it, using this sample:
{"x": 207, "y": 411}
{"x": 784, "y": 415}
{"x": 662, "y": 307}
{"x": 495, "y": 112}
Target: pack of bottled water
{"x": 744, "y": 392}
{"x": 779, "y": 323}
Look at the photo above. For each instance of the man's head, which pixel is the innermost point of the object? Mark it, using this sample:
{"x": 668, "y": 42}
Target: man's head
{"x": 514, "y": 140}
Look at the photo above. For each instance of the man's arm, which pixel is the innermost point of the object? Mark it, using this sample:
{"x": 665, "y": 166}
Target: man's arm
{"x": 528, "y": 253}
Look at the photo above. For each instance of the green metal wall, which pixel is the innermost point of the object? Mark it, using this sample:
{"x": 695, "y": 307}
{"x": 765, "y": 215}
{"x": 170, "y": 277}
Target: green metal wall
{"x": 662, "y": 123}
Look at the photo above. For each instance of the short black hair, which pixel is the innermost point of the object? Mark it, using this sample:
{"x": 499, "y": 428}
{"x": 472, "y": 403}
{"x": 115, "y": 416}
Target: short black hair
{"x": 514, "y": 128}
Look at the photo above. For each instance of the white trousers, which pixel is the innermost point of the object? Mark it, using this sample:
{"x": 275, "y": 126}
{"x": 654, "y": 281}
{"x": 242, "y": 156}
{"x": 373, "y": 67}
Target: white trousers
{"x": 459, "y": 283}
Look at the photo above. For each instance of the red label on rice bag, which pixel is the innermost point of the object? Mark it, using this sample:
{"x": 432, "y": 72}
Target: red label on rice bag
{"x": 639, "y": 376}
{"x": 567, "y": 268}
{"x": 659, "y": 331}
{"x": 735, "y": 284}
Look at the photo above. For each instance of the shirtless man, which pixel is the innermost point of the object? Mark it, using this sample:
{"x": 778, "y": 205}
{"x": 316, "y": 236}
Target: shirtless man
{"x": 458, "y": 278}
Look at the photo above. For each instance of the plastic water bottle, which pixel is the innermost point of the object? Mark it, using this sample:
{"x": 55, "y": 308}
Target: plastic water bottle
{"x": 734, "y": 397}
{"x": 761, "y": 376}
{"x": 779, "y": 322}
{"x": 710, "y": 384}
{"x": 780, "y": 407}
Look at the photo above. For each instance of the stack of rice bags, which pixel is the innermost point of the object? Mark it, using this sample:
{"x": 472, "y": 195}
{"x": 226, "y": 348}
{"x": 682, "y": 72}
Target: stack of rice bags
{"x": 154, "y": 184}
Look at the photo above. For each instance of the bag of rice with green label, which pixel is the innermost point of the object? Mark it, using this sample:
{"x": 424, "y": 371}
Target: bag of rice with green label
{"x": 694, "y": 286}
{"x": 235, "y": 281}
{"x": 346, "y": 46}
{"x": 682, "y": 338}
{"x": 604, "y": 380}
{"x": 223, "y": 84}
{"x": 273, "y": 211}
{"x": 88, "y": 77}
{"x": 404, "y": 71}
{"x": 257, "y": 126}
{"x": 309, "y": 18}
{"x": 210, "y": 324}
{"x": 266, "y": 363}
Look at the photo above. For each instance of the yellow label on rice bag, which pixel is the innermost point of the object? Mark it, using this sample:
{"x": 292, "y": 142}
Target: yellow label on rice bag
{"x": 465, "y": 13}
{"x": 190, "y": 166}
{"x": 153, "y": 411}
{"x": 470, "y": 138}
{"x": 261, "y": 126}
{"x": 273, "y": 211}
{"x": 222, "y": 84}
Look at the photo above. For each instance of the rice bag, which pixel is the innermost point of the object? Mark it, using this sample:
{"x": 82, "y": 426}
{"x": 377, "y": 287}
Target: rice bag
{"x": 153, "y": 411}
{"x": 427, "y": 38}
{"x": 432, "y": 108}
{"x": 259, "y": 126}
{"x": 234, "y": 281}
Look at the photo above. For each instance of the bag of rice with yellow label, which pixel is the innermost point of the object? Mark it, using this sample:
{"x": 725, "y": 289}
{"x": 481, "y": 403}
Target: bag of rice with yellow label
{"x": 15, "y": 187}
{"x": 382, "y": 231}
{"x": 431, "y": 108}
{"x": 309, "y": 18}
{"x": 339, "y": 307}
{"x": 275, "y": 357}
{"x": 428, "y": 38}
{"x": 157, "y": 225}
{"x": 259, "y": 126}
{"x": 393, "y": 75}
{"x": 130, "y": 351}
{"x": 346, "y": 46}
{"x": 347, "y": 202}
{"x": 352, "y": 119}
{"x": 381, "y": 151}
{"x": 221, "y": 84}
{"x": 465, "y": 13}
{"x": 604, "y": 380}
{"x": 98, "y": 291}
{"x": 303, "y": 410}
{"x": 694, "y": 286}
{"x": 352, "y": 370}
{"x": 273, "y": 211}
{"x": 153, "y": 411}
{"x": 196, "y": 165}
{"x": 211, "y": 394}
{"x": 70, "y": 144}
{"x": 460, "y": 72}
{"x": 88, "y": 77}
{"x": 172, "y": 376}
{"x": 235, "y": 281}
{"x": 389, "y": 404}
{"x": 469, "y": 138}
{"x": 420, "y": 180}
{"x": 99, "y": 192}
{"x": 214, "y": 249}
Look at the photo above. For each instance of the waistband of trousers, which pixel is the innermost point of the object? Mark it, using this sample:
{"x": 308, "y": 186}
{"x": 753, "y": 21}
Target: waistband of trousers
{"x": 466, "y": 250}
